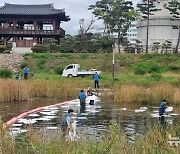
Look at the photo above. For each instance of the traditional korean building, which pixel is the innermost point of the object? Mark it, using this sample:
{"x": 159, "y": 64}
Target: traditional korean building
{"x": 26, "y": 25}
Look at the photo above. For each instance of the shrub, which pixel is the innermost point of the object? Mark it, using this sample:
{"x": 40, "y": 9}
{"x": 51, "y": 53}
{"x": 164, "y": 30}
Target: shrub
{"x": 2, "y": 48}
{"x": 153, "y": 67}
{"x": 41, "y": 64}
{"x": 23, "y": 64}
{"x": 38, "y": 48}
{"x": 140, "y": 70}
{"x": 84, "y": 56}
{"x": 174, "y": 67}
{"x": 6, "y": 73}
{"x": 156, "y": 76}
{"x": 145, "y": 67}
{"x": 59, "y": 69}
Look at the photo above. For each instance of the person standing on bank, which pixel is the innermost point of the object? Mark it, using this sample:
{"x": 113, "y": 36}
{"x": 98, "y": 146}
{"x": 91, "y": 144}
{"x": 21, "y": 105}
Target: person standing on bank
{"x": 26, "y": 71}
{"x": 96, "y": 80}
{"x": 67, "y": 121}
{"x": 162, "y": 111}
{"x": 82, "y": 98}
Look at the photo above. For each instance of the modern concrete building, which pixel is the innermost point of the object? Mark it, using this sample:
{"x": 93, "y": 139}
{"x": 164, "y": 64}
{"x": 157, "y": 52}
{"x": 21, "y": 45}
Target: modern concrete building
{"x": 160, "y": 26}
{"x": 132, "y": 33}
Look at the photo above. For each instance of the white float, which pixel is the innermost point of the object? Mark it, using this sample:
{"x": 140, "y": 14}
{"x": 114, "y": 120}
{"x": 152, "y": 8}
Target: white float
{"x": 169, "y": 109}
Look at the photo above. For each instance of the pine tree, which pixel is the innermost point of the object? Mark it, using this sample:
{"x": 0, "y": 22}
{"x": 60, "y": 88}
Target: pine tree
{"x": 174, "y": 8}
{"x": 146, "y": 8}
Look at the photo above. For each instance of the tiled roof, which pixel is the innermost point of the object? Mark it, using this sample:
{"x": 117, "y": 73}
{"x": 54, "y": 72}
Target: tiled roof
{"x": 18, "y": 9}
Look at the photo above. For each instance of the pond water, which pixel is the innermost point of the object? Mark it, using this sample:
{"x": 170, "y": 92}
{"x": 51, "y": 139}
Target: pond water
{"x": 134, "y": 118}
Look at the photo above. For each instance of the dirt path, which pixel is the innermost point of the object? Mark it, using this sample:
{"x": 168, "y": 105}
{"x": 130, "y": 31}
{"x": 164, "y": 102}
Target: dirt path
{"x": 11, "y": 61}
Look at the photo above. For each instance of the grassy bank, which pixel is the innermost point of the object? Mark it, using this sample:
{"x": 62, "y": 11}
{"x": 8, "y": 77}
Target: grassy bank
{"x": 155, "y": 141}
{"x": 136, "y": 69}
{"x": 138, "y": 77}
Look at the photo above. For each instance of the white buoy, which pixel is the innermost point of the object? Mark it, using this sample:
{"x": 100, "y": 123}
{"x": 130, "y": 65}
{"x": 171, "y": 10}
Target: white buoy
{"x": 156, "y": 115}
{"x": 16, "y": 125}
{"x": 173, "y": 114}
{"x": 169, "y": 109}
{"x": 143, "y": 108}
{"x": 139, "y": 110}
{"x": 123, "y": 109}
{"x": 34, "y": 115}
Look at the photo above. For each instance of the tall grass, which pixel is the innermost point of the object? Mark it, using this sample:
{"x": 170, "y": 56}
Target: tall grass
{"x": 20, "y": 90}
{"x": 153, "y": 94}
{"x": 155, "y": 141}
{"x": 67, "y": 89}
{"x": 6, "y": 142}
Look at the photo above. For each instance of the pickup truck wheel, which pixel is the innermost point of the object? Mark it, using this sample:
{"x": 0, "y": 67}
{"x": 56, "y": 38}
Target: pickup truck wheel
{"x": 70, "y": 75}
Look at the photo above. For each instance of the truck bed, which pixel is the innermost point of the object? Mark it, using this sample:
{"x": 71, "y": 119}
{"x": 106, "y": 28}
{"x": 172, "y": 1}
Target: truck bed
{"x": 90, "y": 72}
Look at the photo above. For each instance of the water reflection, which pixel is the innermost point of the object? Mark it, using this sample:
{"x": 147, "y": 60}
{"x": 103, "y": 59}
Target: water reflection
{"x": 92, "y": 120}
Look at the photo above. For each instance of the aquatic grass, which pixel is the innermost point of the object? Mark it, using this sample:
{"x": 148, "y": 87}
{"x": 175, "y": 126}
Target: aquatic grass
{"x": 160, "y": 91}
{"x": 6, "y": 142}
{"x": 127, "y": 93}
{"x": 20, "y": 90}
{"x": 114, "y": 141}
{"x": 14, "y": 90}
{"x": 152, "y": 94}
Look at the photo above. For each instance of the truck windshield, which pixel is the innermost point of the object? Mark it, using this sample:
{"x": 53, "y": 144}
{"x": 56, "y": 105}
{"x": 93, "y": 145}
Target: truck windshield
{"x": 69, "y": 67}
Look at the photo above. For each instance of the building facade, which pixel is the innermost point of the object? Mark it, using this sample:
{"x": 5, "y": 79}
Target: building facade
{"x": 132, "y": 33}
{"x": 25, "y": 25}
{"x": 160, "y": 27}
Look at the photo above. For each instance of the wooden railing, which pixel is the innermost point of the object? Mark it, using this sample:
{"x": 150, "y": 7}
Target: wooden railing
{"x": 31, "y": 30}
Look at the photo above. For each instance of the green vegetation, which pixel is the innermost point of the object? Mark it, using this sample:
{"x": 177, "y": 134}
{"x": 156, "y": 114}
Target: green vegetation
{"x": 127, "y": 66}
{"x": 6, "y": 73}
{"x": 3, "y": 48}
{"x": 59, "y": 70}
{"x": 117, "y": 16}
{"x": 38, "y": 48}
{"x": 146, "y": 67}
{"x": 155, "y": 141}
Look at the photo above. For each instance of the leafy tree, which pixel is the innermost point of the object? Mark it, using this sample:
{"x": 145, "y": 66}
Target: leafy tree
{"x": 86, "y": 43}
{"x": 116, "y": 14}
{"x": 166, "y": 47}
{"x": 174, "y": 8}
{"x": 146, "y": 8}
{"x": 156, "y": 46}
{"x": 51, "y": 44}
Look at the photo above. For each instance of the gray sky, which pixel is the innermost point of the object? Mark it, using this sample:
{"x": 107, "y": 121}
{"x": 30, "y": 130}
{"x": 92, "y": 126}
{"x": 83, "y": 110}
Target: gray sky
{"x": 76, "y": 9}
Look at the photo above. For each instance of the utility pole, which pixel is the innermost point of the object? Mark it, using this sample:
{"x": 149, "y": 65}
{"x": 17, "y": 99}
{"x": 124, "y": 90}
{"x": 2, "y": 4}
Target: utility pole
{"x": 147, "y": 37}
{"x": 113, "y": 65}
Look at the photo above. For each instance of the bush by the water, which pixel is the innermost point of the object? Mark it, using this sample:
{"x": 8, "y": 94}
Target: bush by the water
{"x": 59, "y": 69}
{"x": 2, "y": 48}
{"x": 39, "y": 48}
{"x": 6, "y": 73}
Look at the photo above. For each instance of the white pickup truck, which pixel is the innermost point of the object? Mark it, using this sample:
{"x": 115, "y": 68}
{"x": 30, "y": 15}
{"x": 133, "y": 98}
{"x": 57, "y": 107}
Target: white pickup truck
{"x": 73, "y": 70}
